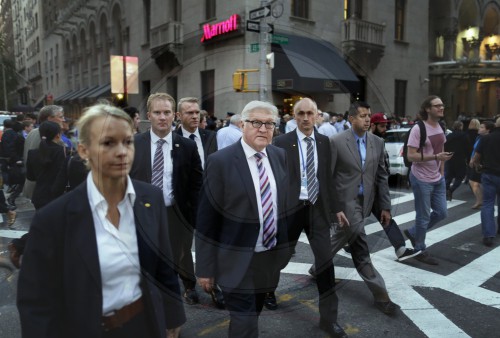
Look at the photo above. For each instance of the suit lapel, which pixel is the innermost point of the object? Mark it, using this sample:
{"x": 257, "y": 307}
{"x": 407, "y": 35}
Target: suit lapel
{"x": 83, "y": 232}
{"x": 176, "y": 155}
{"x": 144, "y": 225}
{"x": 353, "y": 148}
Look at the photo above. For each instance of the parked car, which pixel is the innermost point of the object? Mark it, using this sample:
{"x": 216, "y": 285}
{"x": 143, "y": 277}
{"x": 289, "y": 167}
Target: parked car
{"x": 5, "y": 117}
{"x": 394, "y": 140}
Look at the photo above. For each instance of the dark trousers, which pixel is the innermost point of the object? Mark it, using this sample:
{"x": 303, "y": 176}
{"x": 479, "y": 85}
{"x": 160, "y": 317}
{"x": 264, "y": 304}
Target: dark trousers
{"x": 392, "y": 230}
{"x": 245, "y": 303}
{"x": 453, "y": 175}
{"x": 181, "y": 241}
{"x": 311, "y": 219}
{"x": 138, "y": 326}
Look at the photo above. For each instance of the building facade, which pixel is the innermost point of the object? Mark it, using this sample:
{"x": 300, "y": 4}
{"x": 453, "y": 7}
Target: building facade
{"x": 334, "y": 51}
{"x": 464, "y": 46}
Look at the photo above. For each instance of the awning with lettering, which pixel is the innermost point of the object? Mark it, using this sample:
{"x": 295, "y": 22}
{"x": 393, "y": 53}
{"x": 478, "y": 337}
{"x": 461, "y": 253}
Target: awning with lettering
{"x": 80, "y": 94}
{"x": 306, "y": 65}
{"x": 64, "y": 96}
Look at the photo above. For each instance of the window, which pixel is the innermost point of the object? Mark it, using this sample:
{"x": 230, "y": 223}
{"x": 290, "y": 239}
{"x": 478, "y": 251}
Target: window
{"x": 352, "y": 8}
{"x": 399, "y": 32}
{"x": 209, "y": 9}
{"x": 208, "y": 91}
{"x": 400, "y": 98}
{"x": 300, "y": 8}
{"x": 147, "y": 19}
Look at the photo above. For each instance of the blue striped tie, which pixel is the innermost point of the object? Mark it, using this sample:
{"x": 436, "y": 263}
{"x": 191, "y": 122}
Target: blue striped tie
{"x": 269, "y": 226}
{"x": 157, "y": 176}
{"x": 312, "y": 181}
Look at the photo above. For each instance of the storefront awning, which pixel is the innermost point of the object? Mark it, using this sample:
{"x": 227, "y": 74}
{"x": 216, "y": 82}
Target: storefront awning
{"x": 100, "y": 91}
{"x": 309, "y": 66}
{"x": 80, "y": 94}
{"x": 63, "y": 96}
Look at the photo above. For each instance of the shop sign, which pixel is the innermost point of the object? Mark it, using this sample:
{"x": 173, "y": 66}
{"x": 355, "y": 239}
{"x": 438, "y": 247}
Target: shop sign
{"x": 210, "y": 31}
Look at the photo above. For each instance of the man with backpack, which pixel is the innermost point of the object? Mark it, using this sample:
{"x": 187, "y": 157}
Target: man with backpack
{"x": 427, "y": 174}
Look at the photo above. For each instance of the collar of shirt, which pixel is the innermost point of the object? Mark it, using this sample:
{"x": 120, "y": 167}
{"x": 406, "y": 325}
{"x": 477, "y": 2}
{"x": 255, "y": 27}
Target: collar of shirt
{"x": 302, "y": 136}
{"x": 155, "y": 138}
{"x": 186, "y": 133}
{"x": 96, "y": 199}
{"x": 356, "y": 137}
{"x": 234, "y": 127}
{"x": 249, "y": 151}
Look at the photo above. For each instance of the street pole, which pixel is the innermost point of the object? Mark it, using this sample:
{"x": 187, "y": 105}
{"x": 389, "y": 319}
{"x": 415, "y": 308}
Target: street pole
{"x": 4, "y": 88}
{"x": 263, "y": 41}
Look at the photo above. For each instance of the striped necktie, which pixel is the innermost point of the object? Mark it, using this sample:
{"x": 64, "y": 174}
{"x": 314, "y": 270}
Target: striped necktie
{"x": 269, "y": 224}
{"x": 157, "y": 175}
{"x": 312, "y": 181}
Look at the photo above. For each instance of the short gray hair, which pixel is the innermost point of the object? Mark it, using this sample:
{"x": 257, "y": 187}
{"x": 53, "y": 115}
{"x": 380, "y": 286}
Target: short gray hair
{"x": 235, "y": 119}
{"x": 48, "y": 111}
{"x": 326, "y": 117}
{"x": 253, "y": 105}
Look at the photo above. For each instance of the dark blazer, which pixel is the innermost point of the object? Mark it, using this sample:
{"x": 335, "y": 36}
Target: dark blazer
{"x": 208, "y": 139}
{"x": 187, "y": 171}
{"x": 289, "y": 142}
{"x": 228, "y": 218}
{"x": 44, "y": 174}
{"x": 60, "y": 292}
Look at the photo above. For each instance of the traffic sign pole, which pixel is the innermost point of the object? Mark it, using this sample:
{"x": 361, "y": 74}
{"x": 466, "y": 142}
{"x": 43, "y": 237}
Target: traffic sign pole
{"x": 263, "y": 39}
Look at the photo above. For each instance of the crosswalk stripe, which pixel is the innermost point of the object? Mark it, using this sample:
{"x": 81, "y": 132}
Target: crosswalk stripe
{"x": 404, "y": 218}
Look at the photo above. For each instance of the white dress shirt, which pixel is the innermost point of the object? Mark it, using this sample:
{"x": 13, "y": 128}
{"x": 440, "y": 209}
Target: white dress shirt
{"x": 168, "y": 167}
{"x": 290, "y": 125}
{"x": 303, "y": 159}
{"x": 227, "y": 136}
{"x": 117, "y": 249}
{"x": 199, "y": 144}
{"x": 327, "y": 129}
{"x": 252, "y": 164}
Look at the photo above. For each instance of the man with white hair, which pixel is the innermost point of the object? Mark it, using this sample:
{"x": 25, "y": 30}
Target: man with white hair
{"x": 326, "y": 128}
{"x": 241, "y": 234}
{"x": 231, "y": 134}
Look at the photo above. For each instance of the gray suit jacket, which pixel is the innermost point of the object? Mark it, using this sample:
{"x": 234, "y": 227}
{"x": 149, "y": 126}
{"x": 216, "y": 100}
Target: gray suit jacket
{"x": 347, "y": 174}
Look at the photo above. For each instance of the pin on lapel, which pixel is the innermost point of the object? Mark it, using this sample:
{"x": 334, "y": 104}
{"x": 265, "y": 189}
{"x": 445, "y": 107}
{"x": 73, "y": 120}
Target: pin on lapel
{"x": 147, "y": 205}
{"x": 177, "y": 145}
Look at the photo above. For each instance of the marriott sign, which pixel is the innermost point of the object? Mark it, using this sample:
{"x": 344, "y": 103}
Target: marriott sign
{"x": 212, "y": 30}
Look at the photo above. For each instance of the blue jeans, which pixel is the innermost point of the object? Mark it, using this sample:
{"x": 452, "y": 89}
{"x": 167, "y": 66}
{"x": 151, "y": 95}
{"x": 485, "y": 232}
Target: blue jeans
{"x": 491, "y": 191}
{"x": 427, "y": 196}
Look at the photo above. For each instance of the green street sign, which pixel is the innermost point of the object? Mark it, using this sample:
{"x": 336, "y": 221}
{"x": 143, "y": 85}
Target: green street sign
{"x": 254, "y": 47}
{"x": 280, "y": 39}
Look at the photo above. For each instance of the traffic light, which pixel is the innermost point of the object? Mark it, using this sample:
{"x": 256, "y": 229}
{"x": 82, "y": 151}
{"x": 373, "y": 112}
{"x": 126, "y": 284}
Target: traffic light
{"x": 240, "y": 81}
{"x": 120, "y": 100}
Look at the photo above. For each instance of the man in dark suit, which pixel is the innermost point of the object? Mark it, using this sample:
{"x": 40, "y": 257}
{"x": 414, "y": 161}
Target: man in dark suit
{"x": 309, "y": 170}
{"x": 178, "y": 173}
{"x": 188, "y": 112}
{"x": 241, "y": 239}
{"x": 359, "y": 176}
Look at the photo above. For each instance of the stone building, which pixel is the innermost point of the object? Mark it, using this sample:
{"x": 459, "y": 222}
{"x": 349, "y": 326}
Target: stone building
{"x": 334, "y": 51}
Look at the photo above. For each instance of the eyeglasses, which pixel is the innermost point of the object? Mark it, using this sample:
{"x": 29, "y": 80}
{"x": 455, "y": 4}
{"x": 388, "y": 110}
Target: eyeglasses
{"x": 258, "y": 124}
{"x": 438, "y": 106}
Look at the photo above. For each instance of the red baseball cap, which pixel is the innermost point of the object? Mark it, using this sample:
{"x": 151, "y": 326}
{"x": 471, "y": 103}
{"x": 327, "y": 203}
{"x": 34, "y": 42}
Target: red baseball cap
{"x": 379, "y": 118}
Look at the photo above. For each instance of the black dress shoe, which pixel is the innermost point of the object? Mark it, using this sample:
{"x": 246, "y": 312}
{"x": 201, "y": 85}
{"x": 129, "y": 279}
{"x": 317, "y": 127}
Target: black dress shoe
{"x": 333, "y": 329}
{"x": 488, "y": 241}
{"x": 217, "y": 297}
{"x": 388, "y": 308}
{"x": 191, "y": 296}
{"x": 270, "y": 301}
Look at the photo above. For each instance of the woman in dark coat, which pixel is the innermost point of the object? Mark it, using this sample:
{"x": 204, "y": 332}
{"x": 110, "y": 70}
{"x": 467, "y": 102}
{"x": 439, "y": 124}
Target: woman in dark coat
{"x": 43, "y": 164}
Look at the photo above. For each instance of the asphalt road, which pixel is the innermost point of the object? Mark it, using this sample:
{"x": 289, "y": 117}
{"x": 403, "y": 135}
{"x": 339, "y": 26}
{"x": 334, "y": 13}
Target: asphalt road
{"x": 458, "y": 298}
